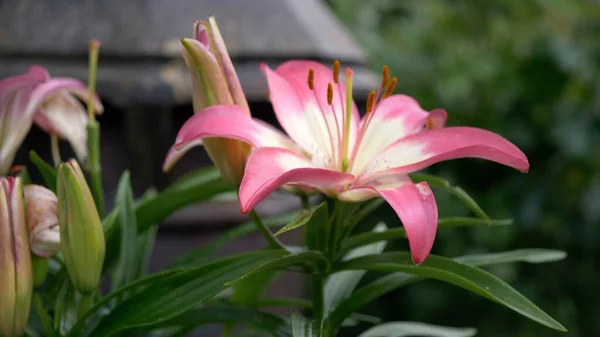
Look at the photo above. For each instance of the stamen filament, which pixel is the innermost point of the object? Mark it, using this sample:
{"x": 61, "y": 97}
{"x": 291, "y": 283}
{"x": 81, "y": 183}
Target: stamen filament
{"x": 348, "y": 76}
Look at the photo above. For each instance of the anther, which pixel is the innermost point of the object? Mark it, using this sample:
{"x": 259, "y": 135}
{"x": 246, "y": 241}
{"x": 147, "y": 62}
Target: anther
{"x": 371, "y": 101}
{"x": 268, "y": 94}
{"x": 329, "y": 93}
{"x": 311, "y": 79}
{"x": 336, "y": 71}
{"x": 391, "y": 87}
{"x": 385, "y": 76}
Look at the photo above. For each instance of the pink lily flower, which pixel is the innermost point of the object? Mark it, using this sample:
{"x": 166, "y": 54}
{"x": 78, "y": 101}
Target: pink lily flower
{"x": 332, "y": 150}
{"x": 49, "y": 102}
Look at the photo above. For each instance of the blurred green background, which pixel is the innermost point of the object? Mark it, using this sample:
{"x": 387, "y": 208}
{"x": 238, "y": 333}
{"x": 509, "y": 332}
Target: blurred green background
{"x": 528, "y": 70}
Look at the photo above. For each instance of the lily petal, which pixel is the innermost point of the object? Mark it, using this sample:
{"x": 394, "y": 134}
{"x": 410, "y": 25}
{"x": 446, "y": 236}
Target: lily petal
{"x": 431, "y": 146}
{"x": 224, "y": 121}
{"x": 61, "y": 114}
{"x": 394, "y": 118}
{"x": 416, "y": 208}
{"x": 305, "y": 114}
{"x": 268, "y": 168}
{"x": 58, "y": 85}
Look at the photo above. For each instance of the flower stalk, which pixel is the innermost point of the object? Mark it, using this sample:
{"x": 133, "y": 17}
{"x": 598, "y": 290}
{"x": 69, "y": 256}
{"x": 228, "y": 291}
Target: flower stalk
{"x": 93, "y": 130}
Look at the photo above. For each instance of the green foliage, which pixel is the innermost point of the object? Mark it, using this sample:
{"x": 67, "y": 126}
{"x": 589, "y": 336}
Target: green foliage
{"x": 528, "y": 70}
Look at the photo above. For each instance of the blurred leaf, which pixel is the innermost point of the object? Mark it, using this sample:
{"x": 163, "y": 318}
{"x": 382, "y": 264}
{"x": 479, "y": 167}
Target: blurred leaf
{"x": 198, "y": 186}
{"x": 46, "y": 170}
{"x": 402, "y": 329}
{"x": 464, "y": 197}
{"x": 341, "y": 285}
{"x": 282, "y": 261}
{"x": 204, "y": 253}
{"x": 126, "y": 268}
{"x": 393, "y": 281}
{"x": 302, "y": 327}
{"x": 523, "y": 255}
{"x": 248, "y": 291}
{"x": 470, "y": 278}
{"x": 221, "y": 313}
{"x": 65, "y": 308}
{"x": 399, "y": 233}
{"x": 168, "y": 294}
{"x": 316, "y": 232}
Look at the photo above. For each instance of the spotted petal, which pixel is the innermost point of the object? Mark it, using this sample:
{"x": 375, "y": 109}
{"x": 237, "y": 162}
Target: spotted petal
{"x": 269, "y": 168}
{"x": 394, "y": 118}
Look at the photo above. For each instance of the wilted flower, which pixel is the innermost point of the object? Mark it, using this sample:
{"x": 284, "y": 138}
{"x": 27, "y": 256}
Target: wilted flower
{"x": 334, "y": 151}
{"x": 81, "y": 234}
{"x": 215, "y": 83}
{"x": 14, "y": 123}
{"x": 49, "y": 102}
{"x": 42, "y": 220}
{"x": 16, "y": 283}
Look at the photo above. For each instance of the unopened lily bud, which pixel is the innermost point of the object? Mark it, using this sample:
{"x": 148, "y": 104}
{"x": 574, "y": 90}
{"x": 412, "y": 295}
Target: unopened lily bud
{"x": 16, "y": 281}
{"x": 82, "y": 237}
{"x": 215, "y": 82}
{"x": 42, "y": 220}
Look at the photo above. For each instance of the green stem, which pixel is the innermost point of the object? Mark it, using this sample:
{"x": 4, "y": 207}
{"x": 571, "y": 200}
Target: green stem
{"x": 92, "y": 67}
{"x": 318, "y": 282}
{"x": 305, "y": 203}
{"x": 273, "y": 241}
{"x": 85, "y": 304}
{"x": 55, "y": 149}
{"x": 94, "y": 168}
{"x": 42, "y": 314}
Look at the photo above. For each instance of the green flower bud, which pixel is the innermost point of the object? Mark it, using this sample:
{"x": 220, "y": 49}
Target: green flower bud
{"x": 81, "y": 234}
{"x": 16, "y": 281}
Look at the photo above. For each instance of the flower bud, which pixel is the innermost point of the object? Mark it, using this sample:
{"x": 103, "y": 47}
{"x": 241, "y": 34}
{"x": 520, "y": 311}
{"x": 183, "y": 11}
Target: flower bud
{"x": 16, "y": 282}
{"x": 42, "y": 220}
{"x": 215, "y": 82}
{"x": 82, "y": 237}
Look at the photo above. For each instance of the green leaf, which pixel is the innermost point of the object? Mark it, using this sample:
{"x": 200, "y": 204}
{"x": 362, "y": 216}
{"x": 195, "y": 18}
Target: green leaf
{"x": 144, "y": 246}
{"x": 249, "y": 291}
{"x": 393, "y": 281}
{"x": 65, "y": 308}
{"x": 47, "y": 171}
{"x": 204, "y": 254}
{"x": 341, "y": 285}
{"x": 126, "y": 267}
{"x": 283, "y": 261}
{"x": 164, "y": 296}
{"x": 300, "y": 220}
{"x": 198, "y": 186}
{"x": 464, "y": 197}
{"x": 367, "y": 294}
{"x": 316, "y": 232}
{"x": 301, "y": 327}
{"x": 468, "y": 277}
{"x": 399, "y": 232}
{"x": 523, "y": 255}
{"x": 221, "y": 313}
{"x": 404, "y": 329}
